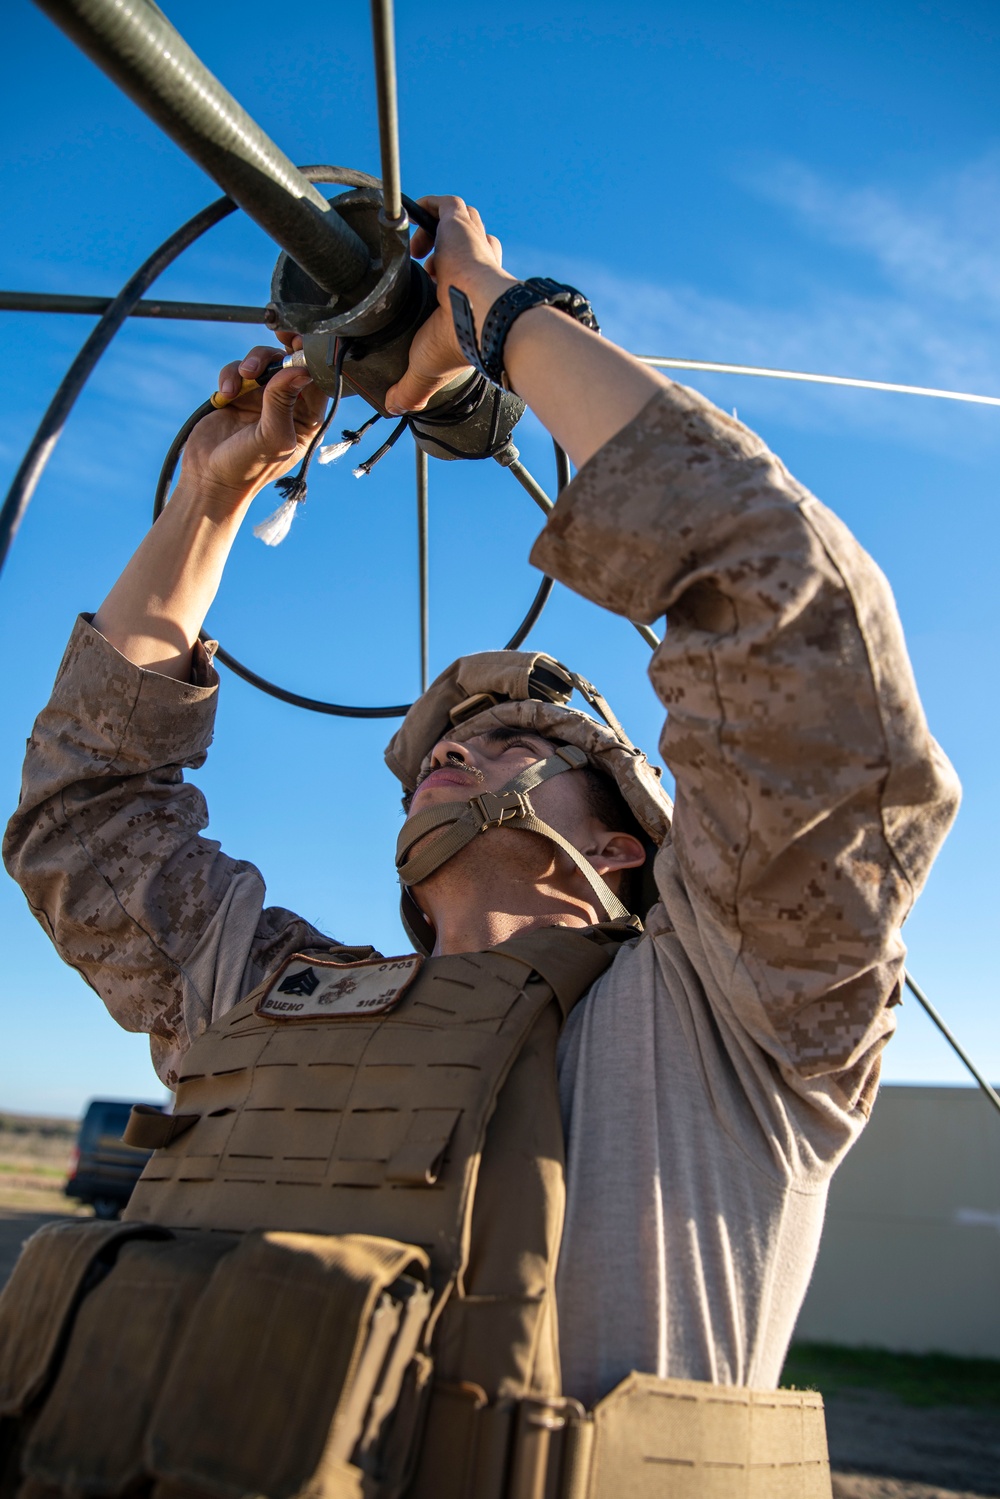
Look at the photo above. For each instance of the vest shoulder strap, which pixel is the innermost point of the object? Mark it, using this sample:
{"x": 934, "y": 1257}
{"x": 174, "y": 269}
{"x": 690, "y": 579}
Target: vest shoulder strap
{"x": 569, "y": 959}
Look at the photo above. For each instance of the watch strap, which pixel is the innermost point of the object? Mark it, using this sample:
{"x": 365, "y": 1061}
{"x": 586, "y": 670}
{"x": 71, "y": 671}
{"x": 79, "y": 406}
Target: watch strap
{"x": 465, "y": 327}
{"x": 486, "y": 355}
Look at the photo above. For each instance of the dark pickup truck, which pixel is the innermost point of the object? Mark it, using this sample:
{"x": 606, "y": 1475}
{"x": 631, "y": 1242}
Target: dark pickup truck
{"x": 104, "y": 1168}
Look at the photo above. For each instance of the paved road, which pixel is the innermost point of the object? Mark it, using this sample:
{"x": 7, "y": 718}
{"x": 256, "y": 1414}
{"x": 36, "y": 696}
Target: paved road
{"x": 18, "y": 1223}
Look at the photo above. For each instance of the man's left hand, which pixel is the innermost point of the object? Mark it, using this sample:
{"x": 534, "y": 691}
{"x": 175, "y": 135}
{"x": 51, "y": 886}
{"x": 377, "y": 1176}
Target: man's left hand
{"x": 464, "y": 256}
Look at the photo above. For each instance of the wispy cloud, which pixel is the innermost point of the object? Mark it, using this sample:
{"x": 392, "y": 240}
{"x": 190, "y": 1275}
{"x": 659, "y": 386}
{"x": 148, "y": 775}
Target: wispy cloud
{"x": 940, "y": 244}
{"x": 921, "y": 307}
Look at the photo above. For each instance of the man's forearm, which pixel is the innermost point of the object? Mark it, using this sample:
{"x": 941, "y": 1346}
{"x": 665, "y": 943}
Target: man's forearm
{"x": 155, "y": 611}
{"x": 582, "y": 388}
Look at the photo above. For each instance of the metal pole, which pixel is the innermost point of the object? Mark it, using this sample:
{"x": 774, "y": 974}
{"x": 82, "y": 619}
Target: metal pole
{"x": 531, "y": 485}
{"x": 422, "y": 551}
{"x": 916, "y": 990}
{"x": 47, "y": 435}
{"x": 195, "y": 312}
{"x": 136, "y": 46}
{"x": 384, "y": 38}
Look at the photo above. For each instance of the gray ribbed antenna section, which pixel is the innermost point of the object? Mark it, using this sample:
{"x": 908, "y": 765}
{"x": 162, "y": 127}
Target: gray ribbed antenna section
{"x": 136, "y": 46}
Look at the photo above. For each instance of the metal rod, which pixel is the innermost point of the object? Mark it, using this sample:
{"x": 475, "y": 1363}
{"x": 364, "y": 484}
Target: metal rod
{"x": 194, "y": 312}
{"x": 50, "y": 427}
{"x": 772, "y": 374}
{"x": 541, "y": 499}
{"x": 384, "y": 38}
{"x": 136, "y": 46}
{"x": 422, "y": 552}
{"x": 531, "y": 485}
{"x": 649, "y": 636}
{"x": 530, "y": 620}
{"x": 916, "y": 990}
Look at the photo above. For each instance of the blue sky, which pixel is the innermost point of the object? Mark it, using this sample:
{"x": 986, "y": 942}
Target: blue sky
{"x": 810, "y": 186}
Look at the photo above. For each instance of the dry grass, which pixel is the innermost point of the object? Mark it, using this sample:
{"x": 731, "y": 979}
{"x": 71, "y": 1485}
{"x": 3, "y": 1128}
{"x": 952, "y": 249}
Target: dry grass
{"x": 34, "y": 1161}
{"x": 36, "y": 1142}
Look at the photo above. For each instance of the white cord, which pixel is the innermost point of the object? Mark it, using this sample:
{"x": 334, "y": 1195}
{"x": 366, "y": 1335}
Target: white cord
{"x": 755, "y": 369}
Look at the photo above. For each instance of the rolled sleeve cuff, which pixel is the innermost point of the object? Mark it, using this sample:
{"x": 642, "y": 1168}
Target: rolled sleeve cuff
{"x": 135, "y": 719}
{"x": 622, "y": 530}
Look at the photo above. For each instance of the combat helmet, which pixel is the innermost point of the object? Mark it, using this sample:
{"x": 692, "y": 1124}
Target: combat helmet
{"x": 526, "y": 690}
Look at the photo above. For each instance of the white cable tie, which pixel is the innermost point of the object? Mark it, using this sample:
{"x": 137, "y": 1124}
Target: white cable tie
{"x": 276, "y": 527}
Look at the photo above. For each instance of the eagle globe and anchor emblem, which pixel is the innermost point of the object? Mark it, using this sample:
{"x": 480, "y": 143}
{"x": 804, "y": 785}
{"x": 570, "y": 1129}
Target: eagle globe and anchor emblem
{"x": 311, "y": 989}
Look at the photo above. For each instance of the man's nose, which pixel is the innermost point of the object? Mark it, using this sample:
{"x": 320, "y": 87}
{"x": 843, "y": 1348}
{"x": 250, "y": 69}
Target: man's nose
{"x": 447, "y": 752}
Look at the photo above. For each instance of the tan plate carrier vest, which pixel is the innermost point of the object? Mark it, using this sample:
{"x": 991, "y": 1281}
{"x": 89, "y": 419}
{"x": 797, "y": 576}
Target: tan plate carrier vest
{"x": 335, "y": 1279}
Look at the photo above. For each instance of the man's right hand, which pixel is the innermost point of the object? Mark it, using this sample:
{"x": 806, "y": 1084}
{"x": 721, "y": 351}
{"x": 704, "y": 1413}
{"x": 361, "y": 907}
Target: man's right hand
{"x": 233, "y": 453}
{"x": 154, "y": 612}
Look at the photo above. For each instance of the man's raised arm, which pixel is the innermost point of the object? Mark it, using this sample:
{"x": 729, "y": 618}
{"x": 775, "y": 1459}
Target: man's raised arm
{"x": 811, "y": 797}
{"x": 155, "y": 611}
{"x": 106, "y": 840}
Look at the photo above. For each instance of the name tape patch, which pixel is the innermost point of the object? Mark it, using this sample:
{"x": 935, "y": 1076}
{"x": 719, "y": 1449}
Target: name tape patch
{"x": 315, "y": 989}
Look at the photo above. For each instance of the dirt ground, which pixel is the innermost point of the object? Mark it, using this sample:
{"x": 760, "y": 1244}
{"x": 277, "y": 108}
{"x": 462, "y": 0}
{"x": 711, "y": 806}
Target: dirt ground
{"x": 880, "y": 1448}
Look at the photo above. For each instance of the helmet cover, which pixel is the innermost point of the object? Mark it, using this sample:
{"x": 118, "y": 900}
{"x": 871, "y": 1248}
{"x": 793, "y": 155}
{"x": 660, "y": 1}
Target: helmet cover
{"x": 527, "y": 690}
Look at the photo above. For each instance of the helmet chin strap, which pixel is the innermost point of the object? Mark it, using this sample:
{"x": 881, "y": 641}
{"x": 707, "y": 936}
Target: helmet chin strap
{"x": 509, "y": 807}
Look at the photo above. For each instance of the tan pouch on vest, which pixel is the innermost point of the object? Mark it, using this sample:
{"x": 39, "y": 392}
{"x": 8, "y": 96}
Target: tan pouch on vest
{"x": 649, "y": 1438}
{"x": 57, "y": 1266}
{"x": 681, "y": 1439}
{"x": 89, "y": 1436}
{"x": 299, "y": 1348}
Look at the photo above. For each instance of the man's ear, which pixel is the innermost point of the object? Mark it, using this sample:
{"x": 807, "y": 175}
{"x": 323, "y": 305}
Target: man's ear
{"x": 617, "y": 851}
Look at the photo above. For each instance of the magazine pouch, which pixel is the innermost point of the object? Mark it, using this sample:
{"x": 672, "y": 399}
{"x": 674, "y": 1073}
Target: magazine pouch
{"x": 39, "y": 1306}
{"x": 283, "y": 1381}
{"x": 89, "y": 1436}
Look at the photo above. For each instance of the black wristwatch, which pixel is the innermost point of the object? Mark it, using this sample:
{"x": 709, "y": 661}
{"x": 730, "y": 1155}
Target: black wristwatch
{"x": 538, "y": 291}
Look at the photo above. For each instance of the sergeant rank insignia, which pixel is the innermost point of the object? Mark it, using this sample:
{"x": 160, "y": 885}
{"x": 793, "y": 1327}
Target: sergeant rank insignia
{"x": 317, "y": 989}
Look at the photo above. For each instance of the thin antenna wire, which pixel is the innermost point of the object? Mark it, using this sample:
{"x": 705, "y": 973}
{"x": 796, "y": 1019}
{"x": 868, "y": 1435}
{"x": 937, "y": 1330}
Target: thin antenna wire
{"x": 772, "y": 374}
{"x": 425, "y": 624}
{"x": 916, "y": 990}
{"x": 529, "y": 483}
{"x": 383, "y": 36}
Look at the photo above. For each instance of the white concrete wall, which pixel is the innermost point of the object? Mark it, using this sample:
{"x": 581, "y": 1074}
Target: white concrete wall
{"x": 910, "y": 1258}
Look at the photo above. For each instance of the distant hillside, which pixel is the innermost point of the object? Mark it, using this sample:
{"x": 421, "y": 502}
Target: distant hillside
{"x": 36, "y": 1138}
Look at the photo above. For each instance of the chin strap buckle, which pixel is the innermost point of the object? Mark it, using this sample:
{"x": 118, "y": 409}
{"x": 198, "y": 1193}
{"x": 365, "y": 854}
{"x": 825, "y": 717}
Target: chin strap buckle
{"x": 496, "y": 808}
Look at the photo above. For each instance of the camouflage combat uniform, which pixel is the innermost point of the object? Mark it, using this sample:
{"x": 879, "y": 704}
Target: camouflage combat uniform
{"x": 717, "y": 1072}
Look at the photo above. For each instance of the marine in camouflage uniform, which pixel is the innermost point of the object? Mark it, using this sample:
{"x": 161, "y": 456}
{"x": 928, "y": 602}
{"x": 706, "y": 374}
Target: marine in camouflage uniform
{"x": 718, "y": 1071}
